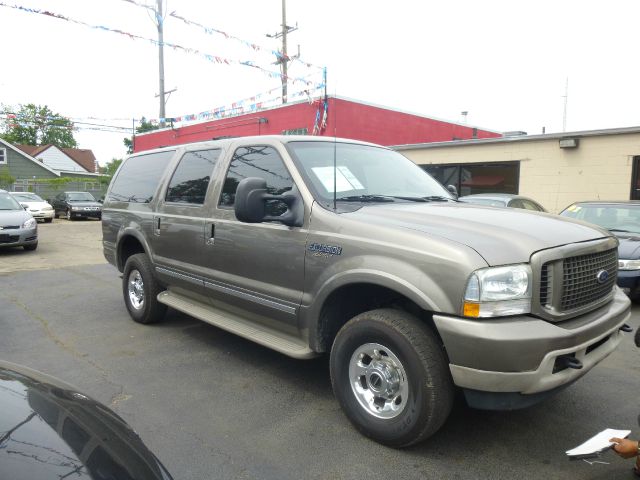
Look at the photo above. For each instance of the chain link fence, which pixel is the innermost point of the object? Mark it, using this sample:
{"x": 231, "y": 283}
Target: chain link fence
{"x": 48, "y": 190}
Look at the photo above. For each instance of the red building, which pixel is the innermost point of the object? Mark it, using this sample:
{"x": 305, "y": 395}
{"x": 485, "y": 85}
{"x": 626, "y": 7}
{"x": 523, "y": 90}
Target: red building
{"x": 336, "y": 117}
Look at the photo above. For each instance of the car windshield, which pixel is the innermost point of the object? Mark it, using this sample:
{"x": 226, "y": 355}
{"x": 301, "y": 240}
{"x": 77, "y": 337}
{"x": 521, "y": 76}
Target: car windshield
{"x": 617, "y": 218}
{"x": 7, "y": 202}
{"x": 363, "y": 173}
{"x": 80, "y": 197}
{"x": 27, "y": 197}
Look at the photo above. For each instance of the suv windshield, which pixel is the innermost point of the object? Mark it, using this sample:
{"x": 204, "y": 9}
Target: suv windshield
{"x": 7, "y": 202}
{"x": 80, "y": 197}
{"x": 363, "y": 173}
{"x": 616, "y": 218}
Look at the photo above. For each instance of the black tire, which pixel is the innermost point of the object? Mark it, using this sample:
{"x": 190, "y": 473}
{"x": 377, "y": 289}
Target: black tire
{"x": 68, "y": 214}
{"x": 48, "y": 220}
{"x": 429, "y": 393}
{"x": 636, "y": 339}
{"x": 31, "y": 247}
{"x": 149, "y": 310}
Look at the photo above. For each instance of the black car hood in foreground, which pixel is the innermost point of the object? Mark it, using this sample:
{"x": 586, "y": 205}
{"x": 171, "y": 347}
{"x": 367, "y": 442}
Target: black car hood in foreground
{"x": 48, "y": 430}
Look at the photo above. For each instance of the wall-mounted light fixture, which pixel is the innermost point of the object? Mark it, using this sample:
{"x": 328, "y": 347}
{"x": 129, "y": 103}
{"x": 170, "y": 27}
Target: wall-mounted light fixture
{"x": 569, "y": 143}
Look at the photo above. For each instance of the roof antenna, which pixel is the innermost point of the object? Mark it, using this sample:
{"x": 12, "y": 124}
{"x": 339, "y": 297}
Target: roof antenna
{"x": 335, "y": 147}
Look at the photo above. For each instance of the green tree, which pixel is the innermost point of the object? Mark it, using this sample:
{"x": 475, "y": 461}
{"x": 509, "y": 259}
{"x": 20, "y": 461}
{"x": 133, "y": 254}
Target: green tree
{"x": 143, "y": 127}
{"x": 36, "y": 125}
{"x": 111, "y": 167}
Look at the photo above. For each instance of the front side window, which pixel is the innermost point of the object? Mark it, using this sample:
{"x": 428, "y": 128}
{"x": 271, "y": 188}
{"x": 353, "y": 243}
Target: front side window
{"x": 363, "y": 172}
{"x": 138, "y": 178}
{"x": 262, "y": 162}
{"x": 191, "y": 178}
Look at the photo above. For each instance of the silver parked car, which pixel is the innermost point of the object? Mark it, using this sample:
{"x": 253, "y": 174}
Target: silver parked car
{"x": 18, "y": 228}
{"x": 503, "y": 200}
{"x": 40, "y": 209}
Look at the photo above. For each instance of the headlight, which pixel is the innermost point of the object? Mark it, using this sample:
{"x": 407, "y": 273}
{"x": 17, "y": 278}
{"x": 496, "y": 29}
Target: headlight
{"x": 628, "y": 264}
{"x": 47, "y": 207}
{"x": 498, "y": 291}
{"x": 31, "y": 223}
{"x": 76, "y": 208}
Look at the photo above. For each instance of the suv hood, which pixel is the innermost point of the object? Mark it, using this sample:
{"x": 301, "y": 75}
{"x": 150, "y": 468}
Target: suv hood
{"x": 12, "y": 218}
{"x": 500, "y": 235}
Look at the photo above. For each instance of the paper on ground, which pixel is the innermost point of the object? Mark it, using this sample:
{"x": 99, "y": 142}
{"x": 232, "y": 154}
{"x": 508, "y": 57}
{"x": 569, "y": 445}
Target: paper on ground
{"x": 598, "y": 442}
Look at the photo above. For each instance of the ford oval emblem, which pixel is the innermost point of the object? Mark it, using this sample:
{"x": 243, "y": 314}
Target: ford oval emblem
{"x": 602, "y": 276}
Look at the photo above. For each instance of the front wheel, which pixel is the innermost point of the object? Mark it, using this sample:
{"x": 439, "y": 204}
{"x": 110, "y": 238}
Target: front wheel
{"x": 140, "y": 289}
{"x": 390, "y": 374}
{"x": 69, "y": 217}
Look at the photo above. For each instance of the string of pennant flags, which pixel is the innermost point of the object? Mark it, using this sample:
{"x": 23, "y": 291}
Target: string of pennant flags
{"x": 213, "y": 31}
{"x": 209, "y": 57}
{"x": 248, "y": 105}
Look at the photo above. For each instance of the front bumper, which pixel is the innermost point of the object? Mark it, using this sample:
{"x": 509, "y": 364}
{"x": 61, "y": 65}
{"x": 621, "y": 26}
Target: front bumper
{"x": 86, "y": 213}
{"x": 520, "y": 354}
{"x": 629, "y": 280}
{"x": 18, "y": 237}
{"x": 41, "y": 214}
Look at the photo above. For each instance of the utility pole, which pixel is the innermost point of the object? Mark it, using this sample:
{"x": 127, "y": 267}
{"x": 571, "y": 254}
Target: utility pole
{"x": 284, "y": 59}
{"x": 160, "y": 25}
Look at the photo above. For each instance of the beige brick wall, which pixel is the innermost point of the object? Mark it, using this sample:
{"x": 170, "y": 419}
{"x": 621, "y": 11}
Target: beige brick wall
{"x": 598, "y": 169}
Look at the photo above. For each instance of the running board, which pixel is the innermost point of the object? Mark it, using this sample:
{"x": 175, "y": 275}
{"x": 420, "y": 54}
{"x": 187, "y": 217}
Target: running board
{"x": 278, "y": 341}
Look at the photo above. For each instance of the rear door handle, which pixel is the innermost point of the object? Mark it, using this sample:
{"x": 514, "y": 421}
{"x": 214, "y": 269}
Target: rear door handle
{"x": 210, "y": 233}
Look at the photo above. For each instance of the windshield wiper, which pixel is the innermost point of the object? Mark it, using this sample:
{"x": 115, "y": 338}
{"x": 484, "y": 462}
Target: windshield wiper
{"x": 437, "y": 198}
{"x": 365, "y": 198}
{"x": 619, "y": 230}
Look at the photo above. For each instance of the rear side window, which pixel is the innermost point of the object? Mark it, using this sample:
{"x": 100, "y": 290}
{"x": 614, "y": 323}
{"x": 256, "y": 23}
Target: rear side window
{"x": 138, "y": 177}
{"x": 259, "y": 161}
{"x": 190, "y": 181}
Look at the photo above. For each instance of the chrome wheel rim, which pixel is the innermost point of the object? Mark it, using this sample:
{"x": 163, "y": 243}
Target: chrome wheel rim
{"x": 135, "y": 289}
{"x": 68, "y": 214}
{"x": 378, "y": 381}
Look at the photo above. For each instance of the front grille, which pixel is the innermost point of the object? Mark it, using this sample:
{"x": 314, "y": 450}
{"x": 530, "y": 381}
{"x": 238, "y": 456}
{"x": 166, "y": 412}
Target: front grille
{"x": 581, "y": 282}
{"x": 545, "y": 286}
{"x": 9, "y": 238}
{"x": 568, "y": 284}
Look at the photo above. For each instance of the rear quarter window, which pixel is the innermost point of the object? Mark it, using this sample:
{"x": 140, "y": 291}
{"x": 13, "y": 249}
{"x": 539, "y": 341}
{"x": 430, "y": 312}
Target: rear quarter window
{"x": 138, "y": 178}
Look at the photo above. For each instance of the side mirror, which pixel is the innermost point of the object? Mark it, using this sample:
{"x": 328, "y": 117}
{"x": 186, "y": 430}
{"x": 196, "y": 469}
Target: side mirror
{"x": 251, "y": 200}
{"x": 25, "y": 206}
{"x": 453, "y": 191}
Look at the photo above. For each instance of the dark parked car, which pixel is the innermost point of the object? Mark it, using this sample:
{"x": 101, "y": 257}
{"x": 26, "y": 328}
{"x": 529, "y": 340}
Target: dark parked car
{"x": 50, "y": 430}
{"x": 623, "y": 220}
{"x": 18, "y": 228}
{"x": 76, "y": 205}
{"x": 503, "y": 200}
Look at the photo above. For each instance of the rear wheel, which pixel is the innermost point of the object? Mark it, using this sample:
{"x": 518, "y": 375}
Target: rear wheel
{"x": 391, "y": 377}
{"x": 140, "y": 289}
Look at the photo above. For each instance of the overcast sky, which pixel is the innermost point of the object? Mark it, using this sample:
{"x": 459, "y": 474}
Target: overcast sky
{"x": 504, "y": 62}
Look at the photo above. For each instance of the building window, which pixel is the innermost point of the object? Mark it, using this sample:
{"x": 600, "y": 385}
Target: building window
{"x": 3, "y": 156}
{"x": 470, "y": 178}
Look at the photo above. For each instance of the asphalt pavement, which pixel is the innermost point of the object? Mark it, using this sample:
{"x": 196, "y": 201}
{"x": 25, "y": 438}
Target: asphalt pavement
{"x": 214, "y": 406}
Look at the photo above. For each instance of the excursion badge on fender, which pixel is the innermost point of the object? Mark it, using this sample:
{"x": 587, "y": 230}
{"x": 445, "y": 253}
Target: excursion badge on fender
{"x": 320, "y": 249}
